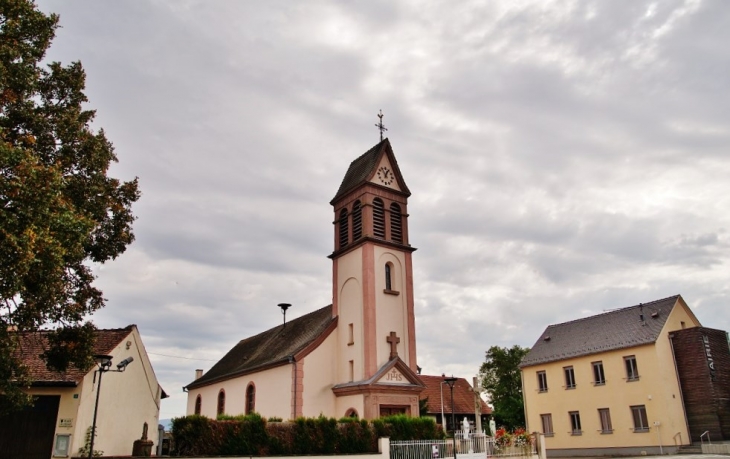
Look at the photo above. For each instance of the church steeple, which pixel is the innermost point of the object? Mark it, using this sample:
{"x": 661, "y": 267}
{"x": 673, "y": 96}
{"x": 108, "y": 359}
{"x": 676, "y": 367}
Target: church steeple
{"x": 372, "y": 267}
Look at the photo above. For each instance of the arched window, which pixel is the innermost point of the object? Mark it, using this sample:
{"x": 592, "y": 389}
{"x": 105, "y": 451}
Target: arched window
{"x": 221, "y": 402}
{"x": 198, "y": 403}
{"x": 250, "y": 398}
{"x": 343, "y": 228}
{"x": 388, "y": 277}
{"x": 378, "y": 218}
{"x": 396, "y": 230}
{"x": 351, "y": 413}
{"x": 356, "y": 221}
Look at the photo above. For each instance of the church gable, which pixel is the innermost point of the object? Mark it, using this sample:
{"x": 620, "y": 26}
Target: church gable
{"x": 366, "y": 167}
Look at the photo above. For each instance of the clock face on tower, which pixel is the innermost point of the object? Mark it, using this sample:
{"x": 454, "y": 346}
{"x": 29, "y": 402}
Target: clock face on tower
{"x": 385, "y": 175}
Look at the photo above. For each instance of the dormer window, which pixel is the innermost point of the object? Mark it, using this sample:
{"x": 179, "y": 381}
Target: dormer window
{"x": 378, "y": 218}
{"x": 396, "y": 229}
{"x": 356, "y": 221}
{"x": 343, "y": 228}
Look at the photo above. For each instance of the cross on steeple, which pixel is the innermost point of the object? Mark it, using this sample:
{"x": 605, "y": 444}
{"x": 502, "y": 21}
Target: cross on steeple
{"x": 393, "y": 340}
{"x": 380, "y": 125}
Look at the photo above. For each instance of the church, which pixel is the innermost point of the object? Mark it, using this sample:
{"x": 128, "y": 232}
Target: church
{"x": 355, "y": 357}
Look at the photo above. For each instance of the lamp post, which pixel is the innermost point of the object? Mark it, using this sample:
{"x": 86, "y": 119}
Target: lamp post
{"x": 104, "y": 362}
{"x": 451, "y": 381}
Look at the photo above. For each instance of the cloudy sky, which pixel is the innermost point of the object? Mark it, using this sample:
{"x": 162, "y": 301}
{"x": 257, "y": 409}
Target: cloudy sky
{"x": 564, "y": 158}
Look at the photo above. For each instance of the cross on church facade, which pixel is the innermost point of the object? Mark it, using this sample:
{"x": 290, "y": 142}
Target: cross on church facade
{"x": 380, "y": 125}
{"x": 393, "y": 340}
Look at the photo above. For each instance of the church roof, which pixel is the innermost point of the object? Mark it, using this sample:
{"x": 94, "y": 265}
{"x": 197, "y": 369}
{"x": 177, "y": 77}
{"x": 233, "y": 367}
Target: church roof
{"x": 364, "y": 166}
{"x": 33, "y": 344}
{"x": 463, "y": 396}
{"x": 271, "y": 348}
{"x": 609, "y": 331}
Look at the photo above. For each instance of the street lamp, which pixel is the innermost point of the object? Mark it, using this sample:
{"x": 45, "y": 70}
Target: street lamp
{"x": 451, "y": 381}
{"x": 104, "y": 362}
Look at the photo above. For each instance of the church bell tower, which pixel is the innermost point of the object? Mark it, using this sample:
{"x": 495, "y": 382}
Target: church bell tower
{"x": 373, "y": 286}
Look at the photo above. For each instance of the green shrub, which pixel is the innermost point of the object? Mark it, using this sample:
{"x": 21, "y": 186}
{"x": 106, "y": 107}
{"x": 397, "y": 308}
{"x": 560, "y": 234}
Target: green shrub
{"x": 251, "y": 435}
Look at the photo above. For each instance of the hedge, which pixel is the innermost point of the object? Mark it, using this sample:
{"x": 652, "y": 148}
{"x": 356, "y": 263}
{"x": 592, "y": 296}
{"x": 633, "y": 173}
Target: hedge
{"x": 252, "y": 435}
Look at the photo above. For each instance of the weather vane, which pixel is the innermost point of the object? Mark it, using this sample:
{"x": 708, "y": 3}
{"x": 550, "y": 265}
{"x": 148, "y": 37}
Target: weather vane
{"x": 380, "y": 125}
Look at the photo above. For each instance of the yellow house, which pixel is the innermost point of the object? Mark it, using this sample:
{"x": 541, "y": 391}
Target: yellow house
{"x": 610, "y": 384}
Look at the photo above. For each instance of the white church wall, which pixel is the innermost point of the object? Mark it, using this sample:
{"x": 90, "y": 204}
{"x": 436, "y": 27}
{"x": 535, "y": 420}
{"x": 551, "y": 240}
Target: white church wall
{"x": 319, "y": 376}
{"x": 391, "y": 312}
{"x": 345, "y": 403}
{"x": 349, "y": 275}
{"x": 273, "y": 394}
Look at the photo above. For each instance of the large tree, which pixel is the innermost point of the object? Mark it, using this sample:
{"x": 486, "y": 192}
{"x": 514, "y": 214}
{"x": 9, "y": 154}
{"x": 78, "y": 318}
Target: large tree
{"x": 59, "y": 211}
{"x": 502, "y": 380}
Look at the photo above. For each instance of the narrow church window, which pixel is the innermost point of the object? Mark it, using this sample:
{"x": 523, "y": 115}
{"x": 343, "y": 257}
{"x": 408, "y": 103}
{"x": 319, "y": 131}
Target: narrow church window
{"x": 343, "y": 228}
{"x": 396, "y": 230}
{"x": 351, "y": 335}
{"x": 356, "y": 221}
{"x": 198, "y": 403}
{"x": 221, "y": 402}
{"x": 250, "y": 398}
{"x": 352, "y": 370}
{"x": 378, "y": 218}
{"x": 388, "y": 277}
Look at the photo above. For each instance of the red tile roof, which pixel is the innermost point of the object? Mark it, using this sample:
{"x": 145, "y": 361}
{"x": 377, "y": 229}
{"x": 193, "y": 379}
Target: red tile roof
{"x": 34, "y": 344}
{"x": 463, "y": 396}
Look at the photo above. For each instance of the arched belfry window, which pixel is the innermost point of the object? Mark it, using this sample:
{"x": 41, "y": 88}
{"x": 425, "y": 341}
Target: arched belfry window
{"x": 388, "y": 276}
{"x": 356, "y": 221}
{"x": 396, "y": 228}
{"x": 250, "y": 398}
{"x": 343, "y": 228}
{"x": 221, "y": 402}
{"x": 198, "y": 403}
{"x": 378, "y": 218}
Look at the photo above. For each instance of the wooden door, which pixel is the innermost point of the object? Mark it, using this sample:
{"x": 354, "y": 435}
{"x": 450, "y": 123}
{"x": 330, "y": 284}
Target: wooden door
{"x": 29, "y": 433}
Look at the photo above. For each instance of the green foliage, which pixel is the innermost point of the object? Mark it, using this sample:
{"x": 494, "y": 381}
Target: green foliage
{"x": 401, "y": 427}
{"x": 502, "y": 380}
{"x": 423, "y": 407}
{"x": 84, "y": 450}
{"x": 59, "y": 210}
{"x": 251, "y": 435}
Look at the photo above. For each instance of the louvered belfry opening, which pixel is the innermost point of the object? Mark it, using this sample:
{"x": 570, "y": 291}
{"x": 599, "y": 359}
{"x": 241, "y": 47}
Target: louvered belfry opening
{"x": 396, "y": 228}
{"x": 343, "y": 228}
{"x": 378, "y": 218}
{"x": 356, "y": 221}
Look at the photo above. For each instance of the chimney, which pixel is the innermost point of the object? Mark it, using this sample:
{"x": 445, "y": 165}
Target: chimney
{"x": 198, "y": 374}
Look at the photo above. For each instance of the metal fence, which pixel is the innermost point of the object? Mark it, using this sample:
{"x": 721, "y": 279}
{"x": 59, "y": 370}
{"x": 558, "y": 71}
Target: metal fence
{"x": 471, "y": 446}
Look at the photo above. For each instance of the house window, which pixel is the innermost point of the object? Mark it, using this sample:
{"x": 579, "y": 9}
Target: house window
{"x": 575, "y": 423}
{"x": 388, "y": 277}
{"x": 605, "y": 417}
{"x": 542, "y": 381}
{"x": 250, "y": 398}
{"x": 61, "y": 446}
{"x": 547, "y": 424}
{"x": 632, "y": 371}
{"x": 198, "y": 403}
{"x": 221, "y": 402}
{"x": 641, "y": 424}
{"x": 569, "y": 377}
{"x": 396, "y": 229}
{"x": 343, "y": 228}
{"x": 378, "y": 218}
{"x": 351, "y": 335}
{"x": 356, "y": 221}
{"x": 599, "y": 377}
